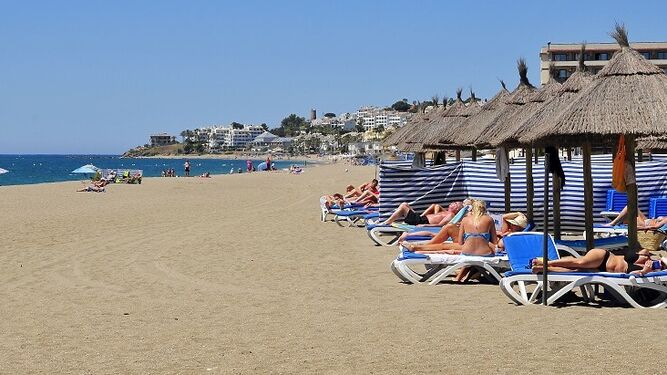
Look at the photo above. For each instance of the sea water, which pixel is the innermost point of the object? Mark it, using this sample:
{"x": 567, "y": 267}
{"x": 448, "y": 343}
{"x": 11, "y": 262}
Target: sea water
{"x": 33, "y": 169}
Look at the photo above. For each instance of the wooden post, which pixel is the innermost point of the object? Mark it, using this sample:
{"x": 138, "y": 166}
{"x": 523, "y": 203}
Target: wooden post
{"x": 631, "y": 189}
{"x": 530, "y": 184}
{"x": 474, "y": 154}
{"x": 556, "y": 206}
{"x": 569, "y": 154}
{"x": 640, "y": 155}
{"x": 537, "y": 152}
{"x": 588, "y": 195}
{"x": 458, "y": 154}
{"x": 545, "y": 234}
{"x": 508, "y": 186}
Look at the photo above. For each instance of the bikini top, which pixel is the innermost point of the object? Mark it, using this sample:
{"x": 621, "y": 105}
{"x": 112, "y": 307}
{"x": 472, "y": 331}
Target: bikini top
{"x": 485, "y": 235}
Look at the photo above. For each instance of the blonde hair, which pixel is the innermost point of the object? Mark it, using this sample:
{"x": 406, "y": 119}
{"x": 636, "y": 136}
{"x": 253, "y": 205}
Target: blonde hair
{"x": 478, "y": 210}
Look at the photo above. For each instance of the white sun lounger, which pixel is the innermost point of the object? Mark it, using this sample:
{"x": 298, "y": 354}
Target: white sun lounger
{"x": 439, "y": 266}
{"x": 387, "y": 235}
{"x": 524, "y": 287}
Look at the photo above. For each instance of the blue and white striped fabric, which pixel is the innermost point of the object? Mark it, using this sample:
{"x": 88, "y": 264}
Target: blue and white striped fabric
{"x": 454, "y": 182}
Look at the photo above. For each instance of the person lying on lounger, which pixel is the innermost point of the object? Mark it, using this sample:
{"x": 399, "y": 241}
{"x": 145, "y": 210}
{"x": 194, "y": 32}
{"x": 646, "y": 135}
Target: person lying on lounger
{"x": 643, "y": 222}
{"x": 434, "y": 215}
{"x": 97, "y": 187}
{"x": 602, "y": 260}
{"x": 476, "y": 236}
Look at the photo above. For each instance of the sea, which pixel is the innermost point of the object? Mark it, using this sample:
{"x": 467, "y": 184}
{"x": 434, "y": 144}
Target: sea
{"x": 34, "y": 169}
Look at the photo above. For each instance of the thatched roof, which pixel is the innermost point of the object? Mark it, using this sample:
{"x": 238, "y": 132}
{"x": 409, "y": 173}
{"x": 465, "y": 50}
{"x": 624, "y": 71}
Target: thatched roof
{"x": 450, "y": 122}
{"x": 470, "y": 128}
{"x": 652, "y": 143}
{"x": 628, "y": 96}
{"x": 414, "y": 129}
{"x": 396, "y": 137}
{"x": 415, "y": 141}
{"x": 481, "y": 127}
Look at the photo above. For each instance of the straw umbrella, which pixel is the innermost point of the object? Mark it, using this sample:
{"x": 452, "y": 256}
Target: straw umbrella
{"x": 628, "y": 97}
{"x": 416, "y": 140}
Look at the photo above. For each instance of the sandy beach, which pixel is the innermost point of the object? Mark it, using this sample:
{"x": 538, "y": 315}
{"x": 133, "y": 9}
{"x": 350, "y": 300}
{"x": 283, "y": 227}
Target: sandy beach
{"x": 235, "y": 274}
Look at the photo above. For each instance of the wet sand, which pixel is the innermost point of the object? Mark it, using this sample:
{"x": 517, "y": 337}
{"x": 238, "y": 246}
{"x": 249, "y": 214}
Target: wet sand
{"x": 235, "y": 274}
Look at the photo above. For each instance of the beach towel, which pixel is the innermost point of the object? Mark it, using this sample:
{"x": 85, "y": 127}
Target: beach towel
{"x": 502, "y": 164}
{"x": 618, "y": 169}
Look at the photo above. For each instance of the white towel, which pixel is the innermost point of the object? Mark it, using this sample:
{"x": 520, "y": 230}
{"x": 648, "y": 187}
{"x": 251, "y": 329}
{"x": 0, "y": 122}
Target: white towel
{"x": 454, "y": 259}
{"x": 502, "y": 164}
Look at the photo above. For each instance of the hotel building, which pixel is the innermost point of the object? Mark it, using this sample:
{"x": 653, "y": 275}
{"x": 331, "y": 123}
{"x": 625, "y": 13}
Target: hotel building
{"x": 565, "y": 57}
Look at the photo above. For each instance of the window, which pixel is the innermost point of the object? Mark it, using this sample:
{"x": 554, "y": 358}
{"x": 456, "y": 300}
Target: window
{"x": 563, "y": 74}
{"x": 560, "y": 57}
{"x": 602, "y": 56}
{"x": 647, "y": 55}
{"x": 662, "y": 55}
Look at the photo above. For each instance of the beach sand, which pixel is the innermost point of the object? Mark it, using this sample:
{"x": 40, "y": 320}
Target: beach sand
{"x": 235, "y": 274}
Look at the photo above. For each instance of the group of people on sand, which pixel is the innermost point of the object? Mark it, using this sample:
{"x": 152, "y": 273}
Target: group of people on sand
{"x": 476, "y": 234}
{"x": 95, "y": 187}
{"x": 169, "y": 172}
{"x": 367, "y": 194}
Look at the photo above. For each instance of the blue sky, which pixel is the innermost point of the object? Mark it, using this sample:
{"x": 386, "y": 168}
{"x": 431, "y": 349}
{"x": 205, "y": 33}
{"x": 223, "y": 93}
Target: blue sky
{"x": 100, "y": 76}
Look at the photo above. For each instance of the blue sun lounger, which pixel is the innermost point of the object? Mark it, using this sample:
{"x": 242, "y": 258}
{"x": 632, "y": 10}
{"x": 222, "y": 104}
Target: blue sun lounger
{"x": 524, "y": 287}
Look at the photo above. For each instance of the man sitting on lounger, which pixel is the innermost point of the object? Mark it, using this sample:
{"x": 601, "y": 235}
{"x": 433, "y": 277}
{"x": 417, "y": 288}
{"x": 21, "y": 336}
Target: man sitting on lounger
{"x": 434, "y": 215}
{"x": 643, "y": 222}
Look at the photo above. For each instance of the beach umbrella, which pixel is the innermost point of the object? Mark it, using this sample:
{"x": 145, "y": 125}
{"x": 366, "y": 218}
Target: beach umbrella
{"x": 450, "y": 121}
{"x": 3, "y": 171}
{"x": 627, "y": 97}
{"x": 86, "y": 169}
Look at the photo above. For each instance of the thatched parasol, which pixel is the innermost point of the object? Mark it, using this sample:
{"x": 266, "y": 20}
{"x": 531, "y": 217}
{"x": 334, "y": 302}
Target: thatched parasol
{"x": 566, "y": 93}
{"x": 472, "y": 128}
{"x": 627, "y": 97}
{"x": 417, "y": 140}
{"x": 515, "y": 103}
{"x": 507, "y": 127}
{"x": 450, "y": 121}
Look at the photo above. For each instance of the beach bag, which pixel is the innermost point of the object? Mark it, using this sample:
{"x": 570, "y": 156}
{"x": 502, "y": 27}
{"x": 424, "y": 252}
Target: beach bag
{"x": 618, "y": 170}
{"x": 650, "y": 240}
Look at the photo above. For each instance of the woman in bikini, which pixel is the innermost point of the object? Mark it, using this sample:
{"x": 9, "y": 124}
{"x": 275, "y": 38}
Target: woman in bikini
{"x": 476, "y": 236}
{"x": 601, "y": 260}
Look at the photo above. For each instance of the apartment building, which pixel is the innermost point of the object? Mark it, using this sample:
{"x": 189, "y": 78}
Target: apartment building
{"x": 162, "y": 139}
{"x": 565, "y": 57}
{"x": 227, "y": 137}
{"x": 373, "y": 117}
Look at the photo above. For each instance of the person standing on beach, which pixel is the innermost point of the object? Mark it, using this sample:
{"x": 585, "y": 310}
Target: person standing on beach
{"x": 249, "y": 165}
{"x": 268, "y": 163}
{"x": 187, "y": 168}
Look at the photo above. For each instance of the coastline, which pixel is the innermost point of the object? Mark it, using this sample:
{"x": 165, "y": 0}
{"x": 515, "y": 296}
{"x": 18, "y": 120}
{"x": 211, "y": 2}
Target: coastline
{"x": 300, "y": 158}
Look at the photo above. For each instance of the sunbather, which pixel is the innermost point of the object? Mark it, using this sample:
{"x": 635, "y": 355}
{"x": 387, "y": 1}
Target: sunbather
{"x": 511, "y": 223}
{"x": 354, "y": 193}
{"x": 643, "y": 222}
{"x": 601, "y": 260}
{"x": 97, "y": 187}
{"x": 434, "y": 215}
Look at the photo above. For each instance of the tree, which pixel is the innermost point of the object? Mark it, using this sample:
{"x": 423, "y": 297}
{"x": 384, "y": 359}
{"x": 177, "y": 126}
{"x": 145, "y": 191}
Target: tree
{"x": 236, "y": 125}
{"x": 184, "y": 134}
{"x": 292, "y": 124}
{"x": 379, "y": 129}
{"x": 400, "y": 106}
{"x": 265, "y": 127}
{"x": 330, "y": 115}
{"x": 280, "y": 132}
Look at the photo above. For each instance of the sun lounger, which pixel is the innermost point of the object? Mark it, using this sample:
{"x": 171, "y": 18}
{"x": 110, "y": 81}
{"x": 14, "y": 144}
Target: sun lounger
{"x": 440, "y": 266}
{"x": 522, "y": 247}
{"x": 609, "y": 243}
{"x": 387, "y": 235}
{"x": 325, "y": 212}
{"x": 352, "y": 217}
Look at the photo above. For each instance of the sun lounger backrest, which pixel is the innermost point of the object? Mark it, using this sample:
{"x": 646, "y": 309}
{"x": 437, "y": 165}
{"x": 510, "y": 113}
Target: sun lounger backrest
{"x": 523, "y": 246}
{"x": 616, "y": 201}
{"x": 459, "y": 215}
{"x": 657, "y": 206}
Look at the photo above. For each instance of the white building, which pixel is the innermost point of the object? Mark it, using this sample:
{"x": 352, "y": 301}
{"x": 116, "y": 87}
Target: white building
{"x": 372, "y": 117}
{"x": 227, "y": 137}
